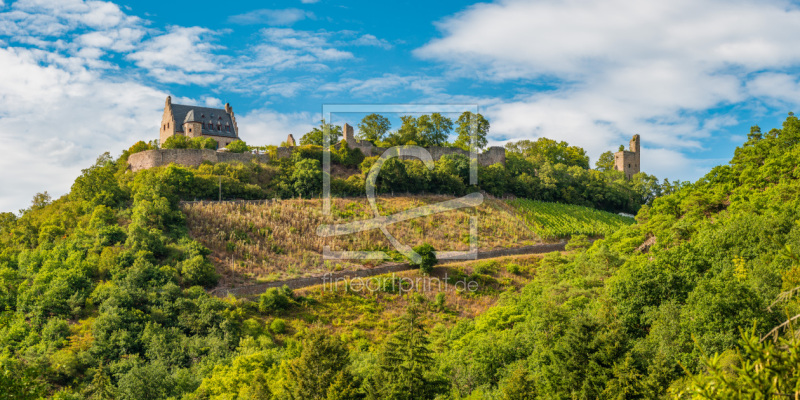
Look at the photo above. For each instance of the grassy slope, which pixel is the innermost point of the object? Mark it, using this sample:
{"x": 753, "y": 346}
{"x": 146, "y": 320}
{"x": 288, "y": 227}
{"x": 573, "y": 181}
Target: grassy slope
{"x": 371, "y": 315}
{"x": 278, "y": 240}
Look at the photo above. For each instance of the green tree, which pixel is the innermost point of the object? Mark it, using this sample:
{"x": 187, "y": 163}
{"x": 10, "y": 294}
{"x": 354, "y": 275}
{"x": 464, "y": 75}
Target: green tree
{"x": 307, "y": 177}
{"x": 405, "y": 364}
{"x": 434, "y": 129}
{"x": 373, "y": 128}
{"x": 315, "y": 135}
{"x": 427, "y": 252}
{"x": 407, "y": 134}
{"x": 18, "y": 381}
{"x": 204, "y": 143}
{"x": 605, "y": 162}
{"x": 238, "y": 146}
{"x": 468, "y": 123}
{"x": 177, "y": 142}
{"x": 546, "y": 150}
{"x": 318, "y": 367}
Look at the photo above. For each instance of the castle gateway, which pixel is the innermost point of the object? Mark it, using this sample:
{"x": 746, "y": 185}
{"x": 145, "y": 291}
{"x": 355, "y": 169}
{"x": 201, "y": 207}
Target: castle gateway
{"x": 193, "y": 121}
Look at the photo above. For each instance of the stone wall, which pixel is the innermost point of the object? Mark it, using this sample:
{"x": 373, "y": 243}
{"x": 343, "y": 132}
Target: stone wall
{"x": 188, "y": 157}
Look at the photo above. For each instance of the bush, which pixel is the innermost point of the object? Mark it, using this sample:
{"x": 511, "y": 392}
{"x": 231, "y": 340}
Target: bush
{"x": 440, "y": 303}
{"x": 486, "y": 267}
{"x": 275, "y": 299}
{"x": 238, "y": 146}
{"x": 578, "y": 242}
{"x": 428, "y": 258}
{"x": 513, "y": 268}
{"x": 278, "y": 326}
{"x": 177, "y": 142}
{"x": 198, "y": 271}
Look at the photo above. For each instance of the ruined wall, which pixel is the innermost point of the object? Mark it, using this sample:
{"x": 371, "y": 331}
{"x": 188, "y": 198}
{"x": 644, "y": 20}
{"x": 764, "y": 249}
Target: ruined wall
{"x": 188, "y": 157}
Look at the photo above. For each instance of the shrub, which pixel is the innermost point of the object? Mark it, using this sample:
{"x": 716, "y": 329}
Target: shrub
{"x": 177, "y": 142}
{"x": 238, "y": 146}
{"x": 428, "y": 258}
{"x": 439, "y": 303}
{"x": 198, "y": 271}
{"x": 278, "y": 326}
{"x": 486, "y": 267}
{"x": 578, "y": 242}
{"x": 275, "y": 299}
{"x": 514, "y": 268}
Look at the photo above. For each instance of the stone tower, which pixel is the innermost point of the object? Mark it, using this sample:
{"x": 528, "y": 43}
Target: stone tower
{"x": 349, "y": 138}
{"x": 627, "y": 161}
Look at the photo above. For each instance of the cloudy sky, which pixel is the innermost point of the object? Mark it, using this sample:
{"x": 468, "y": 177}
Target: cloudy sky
{"x": 79, "y": 78}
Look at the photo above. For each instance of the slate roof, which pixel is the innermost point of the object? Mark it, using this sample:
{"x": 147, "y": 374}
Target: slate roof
{"x": 205, "y": 116}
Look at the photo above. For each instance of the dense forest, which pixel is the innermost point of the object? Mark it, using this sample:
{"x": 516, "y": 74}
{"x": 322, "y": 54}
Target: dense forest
{"x": 103, "y": 296}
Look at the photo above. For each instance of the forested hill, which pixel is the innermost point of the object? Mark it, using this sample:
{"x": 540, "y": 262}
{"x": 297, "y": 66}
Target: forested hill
{"x": 102, "y": 297}
{"x": 623, "y": 320}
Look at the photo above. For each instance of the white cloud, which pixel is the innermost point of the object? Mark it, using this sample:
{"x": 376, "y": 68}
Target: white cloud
{"x": 285, "y": 48}
{"x": 183, "y": 55}
{"x": 617, "y": 67}
{"x": 371, "y": 40}
{"x": 283, "y": 17}
{"x": 56, "y": 120}
{"x": 382, "y": 86}
{"x": 309, "y": 1}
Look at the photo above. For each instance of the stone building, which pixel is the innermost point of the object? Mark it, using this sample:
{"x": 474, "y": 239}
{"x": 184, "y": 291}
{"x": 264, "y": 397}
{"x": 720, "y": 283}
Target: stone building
{"x": 627, "y": 161}
{"x": 193, "y": 121}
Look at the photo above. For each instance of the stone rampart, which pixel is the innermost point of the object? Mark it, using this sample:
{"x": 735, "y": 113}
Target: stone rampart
{"x": 188, "y": 157}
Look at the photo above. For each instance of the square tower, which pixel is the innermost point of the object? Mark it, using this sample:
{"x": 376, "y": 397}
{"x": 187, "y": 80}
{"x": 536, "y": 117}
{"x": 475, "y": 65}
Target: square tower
{"x": 627, "y": 161}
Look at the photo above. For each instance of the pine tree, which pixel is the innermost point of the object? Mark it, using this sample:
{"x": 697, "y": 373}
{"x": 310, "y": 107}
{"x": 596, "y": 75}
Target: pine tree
{"x": 310, "y": 375}
{"x": 405, "y": 364}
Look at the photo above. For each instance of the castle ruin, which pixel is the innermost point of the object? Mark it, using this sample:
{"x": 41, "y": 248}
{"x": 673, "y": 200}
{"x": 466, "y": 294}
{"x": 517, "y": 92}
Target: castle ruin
{"x": 627, "y": 161}
{"x": 492, "y": 155}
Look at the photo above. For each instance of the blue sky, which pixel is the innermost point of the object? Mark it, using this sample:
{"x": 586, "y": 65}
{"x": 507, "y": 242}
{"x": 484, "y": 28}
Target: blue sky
{"x": 78, "y": 78}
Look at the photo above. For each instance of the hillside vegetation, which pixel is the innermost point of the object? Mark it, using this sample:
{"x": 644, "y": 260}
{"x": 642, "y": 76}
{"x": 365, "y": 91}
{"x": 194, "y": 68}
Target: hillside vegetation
{"x": 102, "y": 296}
{"x": 279, "y": 240}
{"x": 555, "y": 220}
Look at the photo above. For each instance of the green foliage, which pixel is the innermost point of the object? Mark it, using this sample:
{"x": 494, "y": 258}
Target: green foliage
{"x": 18, "y": 381}
{"x": 275, "y": 300}
{"x": 373, "y": 128}
{"x": 318, "y": 367}
{"x": 405, "y": 365}
{"x": 238, "y": 146}
{"x": 605, "y": 162}
{"x": 468, "y": 124}
{"x": 177, "y": 142}
{"x": 198, "y": 271}
{"x": 315, "y": 136}
{"x": 277, "y": 326}
{"x": 545, "y": 150}
{"x": 307, "y": 178}
{"x": 758, "y": 370}
{"x": 553, "y": 220}
{"x": 427, "y": 252}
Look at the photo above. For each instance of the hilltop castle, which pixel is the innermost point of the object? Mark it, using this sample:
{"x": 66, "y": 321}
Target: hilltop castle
{"x": 193, "y": 121}
{"x": 627, "y": 161}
